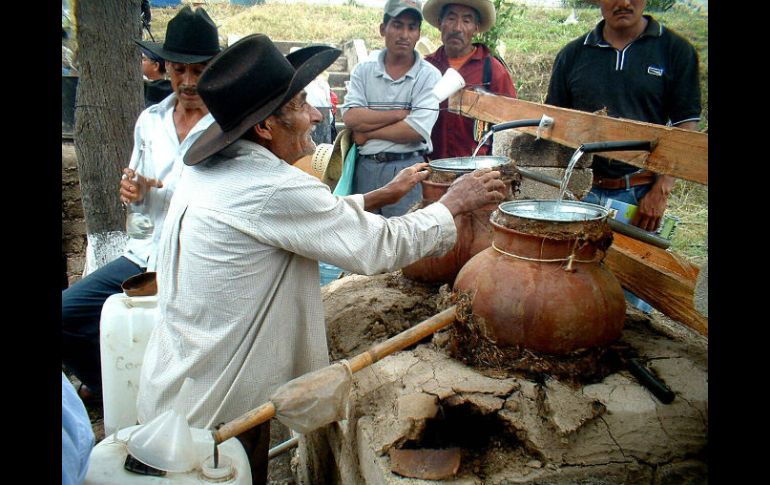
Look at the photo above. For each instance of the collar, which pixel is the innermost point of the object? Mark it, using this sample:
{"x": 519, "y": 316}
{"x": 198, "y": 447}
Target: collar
{"x": 412, "y": 72}
{"x": 481, "y": 52}
{"x": 595, "y": 38}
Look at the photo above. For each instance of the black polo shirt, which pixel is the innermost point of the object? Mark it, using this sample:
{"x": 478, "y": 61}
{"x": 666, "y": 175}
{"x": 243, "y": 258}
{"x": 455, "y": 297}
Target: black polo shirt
{"x": 653, "y": 79}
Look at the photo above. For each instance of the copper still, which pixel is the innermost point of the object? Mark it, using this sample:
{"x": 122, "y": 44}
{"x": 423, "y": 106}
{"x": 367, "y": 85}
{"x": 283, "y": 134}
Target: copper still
{"x": 541, "y": 284}
{"x": 474, "y": 231}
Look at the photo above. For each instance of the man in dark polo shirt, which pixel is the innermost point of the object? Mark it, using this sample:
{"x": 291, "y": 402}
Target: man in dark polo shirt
{"x": 454, "y": 135}
{"x": 637, "y": 69}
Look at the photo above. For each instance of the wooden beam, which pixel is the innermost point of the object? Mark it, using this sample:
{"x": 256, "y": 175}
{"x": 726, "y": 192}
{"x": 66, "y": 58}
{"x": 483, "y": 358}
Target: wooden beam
{"x": 680, "y": 153}
{"x": 657, "y": 276}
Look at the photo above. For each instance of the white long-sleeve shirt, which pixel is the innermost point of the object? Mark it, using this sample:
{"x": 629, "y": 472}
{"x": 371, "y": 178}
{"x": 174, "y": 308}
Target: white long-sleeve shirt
{"x": 239, "y": 299}
{"x": 158, "y": 154}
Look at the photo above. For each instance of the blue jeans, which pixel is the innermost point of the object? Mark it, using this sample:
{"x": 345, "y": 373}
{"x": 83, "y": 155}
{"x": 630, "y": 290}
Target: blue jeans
{"x": 631, "y": 196}
{"x": 371, "y": 175}
{"x": 81, "y": 311}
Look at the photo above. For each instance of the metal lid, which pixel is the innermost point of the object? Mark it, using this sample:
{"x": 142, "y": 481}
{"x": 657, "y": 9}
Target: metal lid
{"x": 551, "y": 210}
{"x": 467, "y": 164}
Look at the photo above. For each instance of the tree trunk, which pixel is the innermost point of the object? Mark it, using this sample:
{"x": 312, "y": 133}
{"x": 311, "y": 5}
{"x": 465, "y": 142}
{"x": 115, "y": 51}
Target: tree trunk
{"x": 108, "y": 102}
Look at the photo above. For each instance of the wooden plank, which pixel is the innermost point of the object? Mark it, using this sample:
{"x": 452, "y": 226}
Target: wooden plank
{"x": 657, "y": 276}
{"x": 680, "y": 153}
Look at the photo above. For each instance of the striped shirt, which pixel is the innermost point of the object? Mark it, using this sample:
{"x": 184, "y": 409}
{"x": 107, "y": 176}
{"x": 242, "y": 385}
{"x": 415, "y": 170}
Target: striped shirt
{"x": 371, "y": 87}
{"x": 238, "y": 293}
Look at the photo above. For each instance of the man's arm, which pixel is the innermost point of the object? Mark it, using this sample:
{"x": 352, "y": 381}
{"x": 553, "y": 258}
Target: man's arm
{"x": 365, "y": 119}
{"x": 401, "y": 184}
{"x": 653, "y": 204}
{"x": 399, "y": 132}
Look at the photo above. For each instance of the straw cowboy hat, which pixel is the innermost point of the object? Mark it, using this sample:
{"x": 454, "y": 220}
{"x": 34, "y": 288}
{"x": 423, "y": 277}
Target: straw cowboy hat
{"x": 432, "y": 11}
{"x": 327, "y": 161}
{"x": 191, "y": 37}
{"x": 246, "y": 83}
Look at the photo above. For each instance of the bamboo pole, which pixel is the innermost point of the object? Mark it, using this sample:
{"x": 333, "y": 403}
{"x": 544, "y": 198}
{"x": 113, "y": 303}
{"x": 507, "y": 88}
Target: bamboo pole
{"x": 398, "y": 342}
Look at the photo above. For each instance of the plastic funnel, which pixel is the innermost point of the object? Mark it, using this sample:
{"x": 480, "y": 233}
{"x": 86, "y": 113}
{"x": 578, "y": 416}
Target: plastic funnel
{"x": 166, "y": 442}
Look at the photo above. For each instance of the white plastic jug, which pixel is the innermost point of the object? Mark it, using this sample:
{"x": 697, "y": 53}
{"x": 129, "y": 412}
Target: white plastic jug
{"x": 125, "y": 328}
{"x": 108, "y": 456}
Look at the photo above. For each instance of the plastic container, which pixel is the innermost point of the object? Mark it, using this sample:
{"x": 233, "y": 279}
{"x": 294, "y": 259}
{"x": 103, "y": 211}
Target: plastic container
{"x": 328, "y": 272}
{"x": 125, "y": 328}
{"x": 109, "y": 455}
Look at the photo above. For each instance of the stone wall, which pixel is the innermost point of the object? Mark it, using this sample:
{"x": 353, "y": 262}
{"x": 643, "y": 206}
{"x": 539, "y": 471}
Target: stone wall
{"x": 73, "y": 218}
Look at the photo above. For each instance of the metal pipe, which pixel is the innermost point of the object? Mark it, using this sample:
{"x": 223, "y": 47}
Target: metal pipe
{"x": 515, "y": 124}
{"x": 617, "y": 226}
{"x": 617, "y": 146}
{"x": 283, "y": 447}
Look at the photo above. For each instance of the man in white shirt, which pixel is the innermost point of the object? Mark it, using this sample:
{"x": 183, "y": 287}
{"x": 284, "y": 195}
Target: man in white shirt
{"x": 162, "y": 135}
{"x": 239, "y": 300}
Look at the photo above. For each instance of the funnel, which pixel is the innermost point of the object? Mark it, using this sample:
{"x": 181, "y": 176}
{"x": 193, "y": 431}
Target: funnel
{"x": 166, "y": 442}
{"x": 450, "y": 83}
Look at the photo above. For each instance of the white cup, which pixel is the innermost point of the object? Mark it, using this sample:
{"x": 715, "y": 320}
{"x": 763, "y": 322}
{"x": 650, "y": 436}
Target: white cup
{"x": 450, "y": 83}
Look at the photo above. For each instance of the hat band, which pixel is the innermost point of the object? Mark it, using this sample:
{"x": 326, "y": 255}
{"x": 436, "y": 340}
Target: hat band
{"x": 188, "y": 51}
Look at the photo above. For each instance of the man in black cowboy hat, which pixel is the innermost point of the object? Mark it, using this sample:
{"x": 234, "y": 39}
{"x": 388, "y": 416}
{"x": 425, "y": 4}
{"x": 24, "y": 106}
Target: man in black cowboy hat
{"x": 156, "y": 86}
{"x": 239, "y": 295}
{"x": 162, "y": 135}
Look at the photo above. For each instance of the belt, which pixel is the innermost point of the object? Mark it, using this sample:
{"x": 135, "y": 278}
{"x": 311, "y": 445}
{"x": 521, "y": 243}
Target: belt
{"x": 626, "y": 182}
{"x": 391, "y": 157}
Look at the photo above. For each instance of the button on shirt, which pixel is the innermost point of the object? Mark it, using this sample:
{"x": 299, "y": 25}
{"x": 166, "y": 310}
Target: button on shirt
{"x": 239, "y": 300}
{"x": 156, "y": 145}
{"x": 371, "y": 87}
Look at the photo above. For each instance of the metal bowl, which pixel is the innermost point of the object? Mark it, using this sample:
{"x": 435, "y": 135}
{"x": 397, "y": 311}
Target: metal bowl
{"x": 551, "y": 210}
{"x": 467, "y": 164}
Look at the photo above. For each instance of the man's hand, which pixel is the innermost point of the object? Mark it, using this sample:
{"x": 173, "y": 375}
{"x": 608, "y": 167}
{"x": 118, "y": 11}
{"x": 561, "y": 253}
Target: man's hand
{"x": 653, "y": 204}
{"x": 134, "y": 186}
{"x": 401, "y": 184}
{"x": 473, "y": 191}
{"x": 359, "y": 137}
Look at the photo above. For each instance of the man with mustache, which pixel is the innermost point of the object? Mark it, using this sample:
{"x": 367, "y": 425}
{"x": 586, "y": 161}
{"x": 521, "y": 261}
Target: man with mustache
{"x": 635, "y": 68}
{"x": 390, "y": 108}
{"x": 459, "y": 21}
{"x": 162, "y": 135}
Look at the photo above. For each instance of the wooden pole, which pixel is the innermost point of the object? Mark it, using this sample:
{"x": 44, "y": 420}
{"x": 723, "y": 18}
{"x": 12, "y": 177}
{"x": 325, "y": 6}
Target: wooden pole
{"x": 680, "y": 153}
{"x": 398, "y": 342}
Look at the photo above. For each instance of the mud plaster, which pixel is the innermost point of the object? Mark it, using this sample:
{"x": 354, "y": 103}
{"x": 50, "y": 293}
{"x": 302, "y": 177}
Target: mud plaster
{"x": 611, "y": 431}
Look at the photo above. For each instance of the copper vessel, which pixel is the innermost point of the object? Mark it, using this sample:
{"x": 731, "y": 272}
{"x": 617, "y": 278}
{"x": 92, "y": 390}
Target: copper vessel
{"x": 474, "y": 232}
{"x": 541, "y": 284}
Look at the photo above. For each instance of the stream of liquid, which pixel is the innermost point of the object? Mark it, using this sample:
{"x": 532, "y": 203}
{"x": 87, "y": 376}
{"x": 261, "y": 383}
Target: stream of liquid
{"x": 481, "y": 143}
{"x": 567, "y": 174}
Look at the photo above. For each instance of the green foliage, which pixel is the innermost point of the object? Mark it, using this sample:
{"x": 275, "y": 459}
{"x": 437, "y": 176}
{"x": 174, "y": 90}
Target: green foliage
{"x": 505, "y": 15}
{"x": 652, "y": 5}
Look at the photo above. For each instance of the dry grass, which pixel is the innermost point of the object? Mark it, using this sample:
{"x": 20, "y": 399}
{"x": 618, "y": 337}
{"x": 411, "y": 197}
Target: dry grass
{"x": 532, "y": 40}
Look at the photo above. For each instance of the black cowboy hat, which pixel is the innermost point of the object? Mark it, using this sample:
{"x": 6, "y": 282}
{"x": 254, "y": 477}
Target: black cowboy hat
{"x": 191, "y": 37}
{"x": 248, "y": 82}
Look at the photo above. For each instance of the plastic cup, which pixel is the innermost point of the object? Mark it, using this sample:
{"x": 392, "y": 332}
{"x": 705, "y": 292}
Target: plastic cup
{"x": 450, "y": 83}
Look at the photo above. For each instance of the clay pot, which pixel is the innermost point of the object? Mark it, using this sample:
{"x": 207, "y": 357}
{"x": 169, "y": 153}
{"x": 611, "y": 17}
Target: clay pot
{"x": 541, "y": 284}
{"x": 474, "y": 232}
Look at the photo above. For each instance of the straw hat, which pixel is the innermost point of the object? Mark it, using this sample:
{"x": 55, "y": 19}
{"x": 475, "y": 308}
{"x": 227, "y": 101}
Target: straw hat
{"x": 432, "y": 11}
{"x": 327, "y": 161}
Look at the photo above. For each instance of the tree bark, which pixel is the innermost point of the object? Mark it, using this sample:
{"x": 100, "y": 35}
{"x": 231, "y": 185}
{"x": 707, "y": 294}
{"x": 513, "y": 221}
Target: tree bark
{"x": 108, "y": 102}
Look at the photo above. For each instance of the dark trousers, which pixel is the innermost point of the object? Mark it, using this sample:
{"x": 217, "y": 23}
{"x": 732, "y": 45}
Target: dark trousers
{"x": 81, "y": 310}
{"x": 256, "y": 442}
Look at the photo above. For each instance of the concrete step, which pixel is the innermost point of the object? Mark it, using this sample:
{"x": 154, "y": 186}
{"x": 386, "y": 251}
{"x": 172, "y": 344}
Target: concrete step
{"x": 285, "y": 46}
{"x": 337, "y": 79}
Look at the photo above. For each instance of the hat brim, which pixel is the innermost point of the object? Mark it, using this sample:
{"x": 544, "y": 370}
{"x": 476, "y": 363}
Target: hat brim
{"x": 214, "y": 139}
{"x": 432, "y": 11}
{"x": 172, "y": 56}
